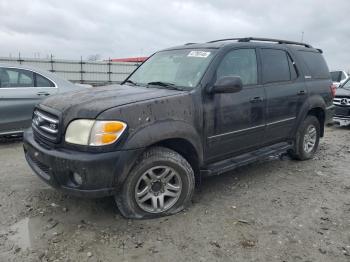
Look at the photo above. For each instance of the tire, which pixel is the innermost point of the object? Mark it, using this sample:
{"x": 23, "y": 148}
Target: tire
{"x": 310, "y": 125}
{"x": 156, "y": 177}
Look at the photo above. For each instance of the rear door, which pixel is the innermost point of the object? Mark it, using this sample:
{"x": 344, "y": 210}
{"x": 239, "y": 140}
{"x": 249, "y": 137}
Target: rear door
{"x": 20, "y": 91}
{"x": 285, "y": 93}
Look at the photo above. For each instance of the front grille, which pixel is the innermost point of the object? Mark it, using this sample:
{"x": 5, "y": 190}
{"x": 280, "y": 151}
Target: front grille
{"x": 342, "y": 111}
{"x": 341, "y": 101}
{"x": 45, "y": 125}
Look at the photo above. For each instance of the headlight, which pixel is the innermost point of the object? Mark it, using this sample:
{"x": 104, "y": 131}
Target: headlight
{"x": 94, "y": 132}
{"x": 78, "y": 131}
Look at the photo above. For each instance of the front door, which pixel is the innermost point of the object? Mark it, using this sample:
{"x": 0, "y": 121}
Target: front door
{"x": 235, "y": 122}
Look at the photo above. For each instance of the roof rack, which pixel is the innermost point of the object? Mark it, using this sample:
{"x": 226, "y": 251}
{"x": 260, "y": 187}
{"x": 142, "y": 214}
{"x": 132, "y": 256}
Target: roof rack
{"x": 248, "y": 39}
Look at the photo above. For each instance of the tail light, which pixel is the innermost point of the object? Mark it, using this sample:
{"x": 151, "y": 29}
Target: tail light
{"x": 333, "y": 88}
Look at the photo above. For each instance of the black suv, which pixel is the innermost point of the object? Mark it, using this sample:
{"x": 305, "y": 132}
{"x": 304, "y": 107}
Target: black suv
{"x": 187, "y": 112}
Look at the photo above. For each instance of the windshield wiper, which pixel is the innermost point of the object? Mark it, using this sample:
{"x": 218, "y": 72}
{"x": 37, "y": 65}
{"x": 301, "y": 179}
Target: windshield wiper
{"x": 166, "y": 85}
{"x": 160, "y": 83}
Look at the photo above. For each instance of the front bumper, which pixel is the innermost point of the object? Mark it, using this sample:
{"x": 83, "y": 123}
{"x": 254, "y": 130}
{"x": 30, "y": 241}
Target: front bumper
{"x": 100, "y": 172}
{"x": 342, "y": 121}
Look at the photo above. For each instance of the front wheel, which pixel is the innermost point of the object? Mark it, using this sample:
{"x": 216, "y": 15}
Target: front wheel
{"x": 307, "y": 139}
{"x": 161, "y": 183}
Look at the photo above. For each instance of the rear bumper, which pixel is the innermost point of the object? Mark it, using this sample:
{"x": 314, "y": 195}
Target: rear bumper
{"x": 99, "y": 171}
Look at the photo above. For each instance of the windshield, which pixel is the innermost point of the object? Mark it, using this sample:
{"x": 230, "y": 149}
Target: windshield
{"x": 336, "y": 76}
{"x": 347, "y": 85}
{"x": 167, "y": 69}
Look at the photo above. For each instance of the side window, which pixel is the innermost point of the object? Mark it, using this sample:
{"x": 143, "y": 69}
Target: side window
{"x": 343, "y": 76}
{"x": 242, "y": 63}
{"x": 316, "y": 64}
{"x": 25, "y": 78}
{"x": 42, "y": 81}
{"x": 275, "y": 66}
{"x": 11, "y": 77}
{"x": 4, "y": 78}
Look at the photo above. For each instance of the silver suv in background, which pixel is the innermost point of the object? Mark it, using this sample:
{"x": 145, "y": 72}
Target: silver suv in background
{"x": 21, "y": 88}
{"x": 342, "y": 104}
{"x": 339, "y": 77}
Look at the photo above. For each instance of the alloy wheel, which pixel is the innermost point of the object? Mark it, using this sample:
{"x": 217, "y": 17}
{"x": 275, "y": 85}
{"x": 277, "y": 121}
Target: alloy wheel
{"x": 310, "y": 138}
{"x": 158, "y": 189}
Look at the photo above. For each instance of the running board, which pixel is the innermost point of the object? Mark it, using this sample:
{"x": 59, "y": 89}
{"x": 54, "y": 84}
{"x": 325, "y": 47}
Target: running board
{"x": 245, "y": 159}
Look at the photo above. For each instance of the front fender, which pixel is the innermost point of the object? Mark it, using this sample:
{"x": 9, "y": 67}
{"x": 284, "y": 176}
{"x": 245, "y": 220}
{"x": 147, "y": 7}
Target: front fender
{"x": 146, "y": 136}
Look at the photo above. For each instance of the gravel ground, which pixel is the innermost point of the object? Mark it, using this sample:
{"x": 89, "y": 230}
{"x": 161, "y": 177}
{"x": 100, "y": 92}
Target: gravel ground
{"x": 279, "y": 210}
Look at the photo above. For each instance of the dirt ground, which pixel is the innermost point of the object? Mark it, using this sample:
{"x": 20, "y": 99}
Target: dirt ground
{"x": 279, "y": 210}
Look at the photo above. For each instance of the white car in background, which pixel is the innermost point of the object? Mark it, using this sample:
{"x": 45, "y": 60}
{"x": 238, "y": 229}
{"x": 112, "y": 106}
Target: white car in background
{"x": 339, "y": 77}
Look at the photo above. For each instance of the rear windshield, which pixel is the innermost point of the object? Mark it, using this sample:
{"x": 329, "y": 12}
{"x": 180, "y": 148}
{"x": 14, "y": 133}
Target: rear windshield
{"x": 316, "y": 64}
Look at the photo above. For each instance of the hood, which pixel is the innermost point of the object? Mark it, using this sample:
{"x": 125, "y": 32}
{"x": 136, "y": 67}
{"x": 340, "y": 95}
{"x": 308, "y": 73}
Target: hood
{"x": 341, "y": 92}
{"x": 90, "y": 102}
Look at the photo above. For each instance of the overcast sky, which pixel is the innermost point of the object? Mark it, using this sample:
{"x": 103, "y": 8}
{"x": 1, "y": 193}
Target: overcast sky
{"x": 124, "y": 28}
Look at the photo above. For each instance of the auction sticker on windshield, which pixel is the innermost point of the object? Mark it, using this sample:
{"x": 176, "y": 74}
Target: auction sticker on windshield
{"x": 201, "y": 54}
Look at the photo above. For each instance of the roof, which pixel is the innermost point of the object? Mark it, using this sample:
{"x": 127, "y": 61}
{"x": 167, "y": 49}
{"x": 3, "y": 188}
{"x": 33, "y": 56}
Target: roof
{"x": 254, "y": 41}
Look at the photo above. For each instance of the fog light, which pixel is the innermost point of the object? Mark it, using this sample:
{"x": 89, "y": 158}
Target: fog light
{"x": 77, "y": 179}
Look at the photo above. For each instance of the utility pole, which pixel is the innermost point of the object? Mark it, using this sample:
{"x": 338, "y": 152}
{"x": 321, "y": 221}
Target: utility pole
{"x": 302, "y": 36}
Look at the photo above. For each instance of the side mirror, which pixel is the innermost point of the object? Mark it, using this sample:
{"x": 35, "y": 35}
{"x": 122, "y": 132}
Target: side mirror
{"x": 228, "y": 84}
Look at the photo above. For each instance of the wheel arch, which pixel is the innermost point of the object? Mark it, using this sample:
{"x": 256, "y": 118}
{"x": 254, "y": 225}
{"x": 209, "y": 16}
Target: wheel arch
{"x": 175, "y": 135}
{"x": 319, "y": 113}
{"x": 315, "y": 106}
{"x": 185, "y": 149}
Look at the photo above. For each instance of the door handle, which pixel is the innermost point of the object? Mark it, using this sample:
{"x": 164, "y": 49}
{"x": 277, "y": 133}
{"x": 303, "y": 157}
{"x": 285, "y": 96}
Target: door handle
{"x": 43, "y": 94}
{"x": 256, "y": 99}
{"x": 301, "y": 93}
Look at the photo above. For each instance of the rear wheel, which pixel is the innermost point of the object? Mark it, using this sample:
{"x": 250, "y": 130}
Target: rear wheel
{"x": 161, "y": 183}
{"x": 307, "y": 139}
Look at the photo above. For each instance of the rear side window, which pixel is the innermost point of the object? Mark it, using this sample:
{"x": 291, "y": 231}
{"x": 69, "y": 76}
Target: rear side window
{"x": 316, "y": 64}
{"x": 242, "y": 63}
{"x": 276, "y": 66}
{"x": 43, "y": 82}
